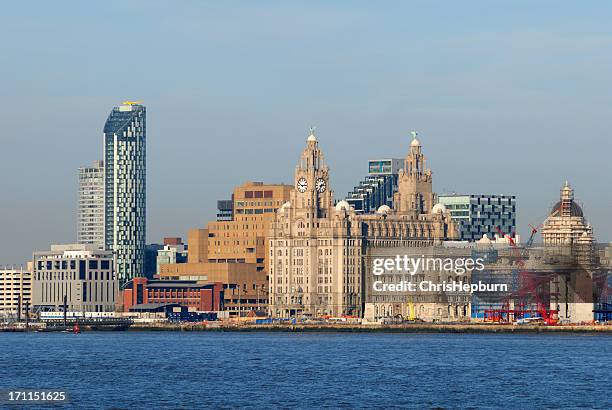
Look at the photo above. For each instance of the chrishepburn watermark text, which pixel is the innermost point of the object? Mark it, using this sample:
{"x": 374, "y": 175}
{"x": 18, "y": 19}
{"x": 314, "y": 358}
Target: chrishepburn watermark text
{"x": 404, "y": 264}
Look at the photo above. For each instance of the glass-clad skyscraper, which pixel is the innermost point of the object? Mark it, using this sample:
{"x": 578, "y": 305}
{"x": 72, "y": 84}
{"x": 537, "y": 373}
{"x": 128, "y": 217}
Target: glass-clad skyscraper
{"x": 125, "y": 188}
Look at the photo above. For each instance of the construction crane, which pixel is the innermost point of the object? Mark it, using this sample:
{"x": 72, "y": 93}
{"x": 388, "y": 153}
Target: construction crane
{"x": 529, "y": 283}
{"x": 534, "y": 230}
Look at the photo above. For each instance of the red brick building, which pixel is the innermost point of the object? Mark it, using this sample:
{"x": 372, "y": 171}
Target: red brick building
{"x": 201, "y": 297}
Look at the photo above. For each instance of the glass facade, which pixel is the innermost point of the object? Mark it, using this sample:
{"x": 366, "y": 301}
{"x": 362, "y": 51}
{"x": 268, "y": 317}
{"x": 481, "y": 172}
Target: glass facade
{"x": 478, "y": 215}
{"x": 225, "y": 210}
{"x": 125, "y": 189}
{"x": 378, "y": 187}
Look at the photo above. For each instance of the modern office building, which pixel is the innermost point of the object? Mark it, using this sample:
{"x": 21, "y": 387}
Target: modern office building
{"x": 90, "y": 207}
{"x": 225, "y": 210}
{"x": 378, "y": 186}
{"x": 478, "y": 215}
{"x": 125, "y": 190}
{"x": 242, "y": 240}
{"x": 81, "y": 273}
{"x": 15, "y": 291}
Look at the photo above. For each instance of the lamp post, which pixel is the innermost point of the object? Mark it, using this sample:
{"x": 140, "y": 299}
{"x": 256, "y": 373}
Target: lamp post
{"x": 239, "y": 302}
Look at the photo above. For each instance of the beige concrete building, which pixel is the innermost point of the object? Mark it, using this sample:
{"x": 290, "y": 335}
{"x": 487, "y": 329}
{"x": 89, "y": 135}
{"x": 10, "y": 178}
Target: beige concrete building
{"x": 242, "y": 240}
{"x": 317, "y": 248}
{"x": 15, "y": 290}
{"x": 234, "y": 252}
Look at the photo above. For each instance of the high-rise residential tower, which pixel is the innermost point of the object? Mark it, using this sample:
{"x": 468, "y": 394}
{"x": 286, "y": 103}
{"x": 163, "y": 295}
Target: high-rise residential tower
{"x": 125, "y": 188}
{"x": 90, "y": 207}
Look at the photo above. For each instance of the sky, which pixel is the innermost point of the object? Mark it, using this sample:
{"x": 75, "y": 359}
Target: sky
{"x": 508, "y": 98}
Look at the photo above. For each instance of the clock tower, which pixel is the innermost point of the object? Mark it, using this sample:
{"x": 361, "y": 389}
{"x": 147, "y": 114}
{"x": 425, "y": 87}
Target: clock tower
{"x": 314, "y": 246}
{"x": 312, "y": 192}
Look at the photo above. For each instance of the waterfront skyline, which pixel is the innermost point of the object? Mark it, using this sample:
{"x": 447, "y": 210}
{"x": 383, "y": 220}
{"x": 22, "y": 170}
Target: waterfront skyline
{"x": 510, "y": 111}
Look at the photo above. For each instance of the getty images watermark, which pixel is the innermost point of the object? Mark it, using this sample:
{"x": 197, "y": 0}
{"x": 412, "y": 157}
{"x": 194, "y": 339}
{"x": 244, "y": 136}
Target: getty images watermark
{"x": 401, "y": 265}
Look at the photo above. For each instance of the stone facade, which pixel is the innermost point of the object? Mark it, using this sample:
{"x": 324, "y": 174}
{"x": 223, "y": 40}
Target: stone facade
{"x": 317, "y": 249}
{"x": 566, "y": 234}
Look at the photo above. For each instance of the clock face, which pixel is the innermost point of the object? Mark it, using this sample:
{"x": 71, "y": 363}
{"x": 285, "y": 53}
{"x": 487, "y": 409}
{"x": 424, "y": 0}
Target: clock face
{"x": 321, "y": 185}
{"x": 302, "y": 185}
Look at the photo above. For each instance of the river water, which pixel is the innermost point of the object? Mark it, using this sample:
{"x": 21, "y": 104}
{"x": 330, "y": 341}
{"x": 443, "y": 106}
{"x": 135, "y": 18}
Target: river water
{"x": 133, "y": 370}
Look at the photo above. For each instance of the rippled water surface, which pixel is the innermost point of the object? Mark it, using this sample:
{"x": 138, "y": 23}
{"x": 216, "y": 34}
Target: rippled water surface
{"x": 337, "y": 370}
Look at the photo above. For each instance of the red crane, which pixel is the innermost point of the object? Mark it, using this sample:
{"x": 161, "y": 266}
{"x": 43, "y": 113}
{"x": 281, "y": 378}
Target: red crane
{"x": 529, "y": 283}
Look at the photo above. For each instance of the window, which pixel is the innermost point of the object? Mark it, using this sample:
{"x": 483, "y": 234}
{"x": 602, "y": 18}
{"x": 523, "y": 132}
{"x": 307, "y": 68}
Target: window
{"x": 81, "y": 270}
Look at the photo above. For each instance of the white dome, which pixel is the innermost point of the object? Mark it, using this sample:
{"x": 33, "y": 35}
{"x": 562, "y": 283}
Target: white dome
{"x": 485, "y": 239}
{"x": 343, "y": 205}
{"x": 437, "y": 208}
{"x": 383, "y": 210}
{"x": 312, "y": 138}
{"x": 415, "y": 143}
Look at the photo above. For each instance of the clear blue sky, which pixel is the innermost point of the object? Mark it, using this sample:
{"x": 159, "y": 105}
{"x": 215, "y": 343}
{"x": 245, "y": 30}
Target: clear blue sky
{"x": 508, "y": 97}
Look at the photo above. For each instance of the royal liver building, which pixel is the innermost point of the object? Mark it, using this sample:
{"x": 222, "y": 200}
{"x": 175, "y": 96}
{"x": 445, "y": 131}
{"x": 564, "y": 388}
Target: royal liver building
{"x": 317, "y": 249}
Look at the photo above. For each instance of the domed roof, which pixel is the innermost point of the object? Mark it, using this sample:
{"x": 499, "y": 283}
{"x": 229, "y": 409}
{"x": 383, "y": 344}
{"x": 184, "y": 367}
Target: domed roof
{"x": 383, "y": 210}
{"x": 311, "y": 136}
{"x": 438, "y": 208}
{"x": 575, "y": 210}
{"x": 343, "y": 205}
{"x": 415, "y": 143}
